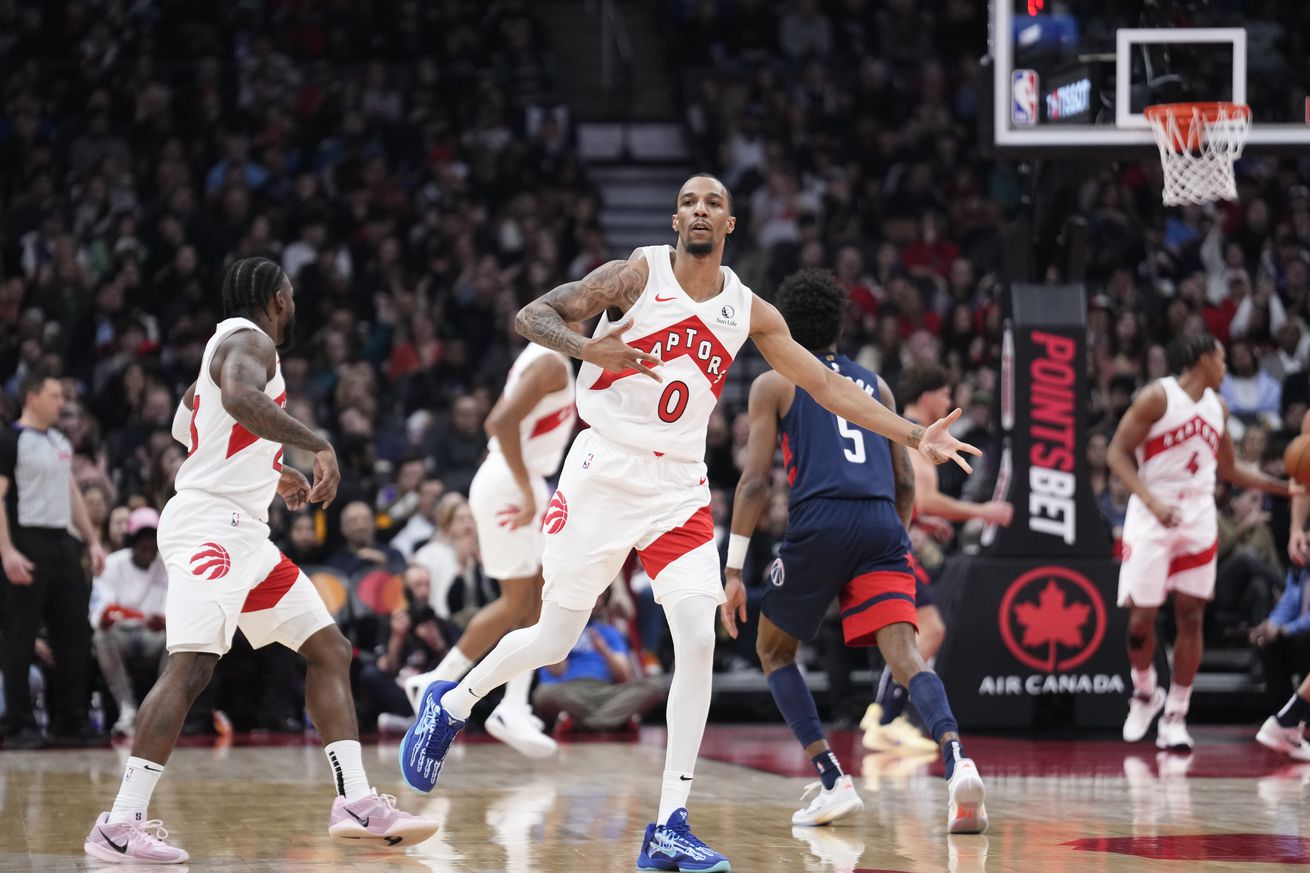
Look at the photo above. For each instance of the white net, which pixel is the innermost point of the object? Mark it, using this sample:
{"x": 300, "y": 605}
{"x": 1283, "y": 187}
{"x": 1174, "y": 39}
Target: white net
{"x": 1198, "y": 144}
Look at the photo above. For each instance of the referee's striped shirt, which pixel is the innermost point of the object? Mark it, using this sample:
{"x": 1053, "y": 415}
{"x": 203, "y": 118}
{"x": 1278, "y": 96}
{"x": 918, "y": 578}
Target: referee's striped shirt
{"x": 38, "y": 465}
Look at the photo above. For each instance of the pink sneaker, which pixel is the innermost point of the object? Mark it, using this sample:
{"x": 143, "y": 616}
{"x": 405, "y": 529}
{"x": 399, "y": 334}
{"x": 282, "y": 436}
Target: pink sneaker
{"x": 131, "y": 842}
{"x": 375, "y": 820}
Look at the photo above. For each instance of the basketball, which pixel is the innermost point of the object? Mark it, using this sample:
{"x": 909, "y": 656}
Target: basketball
{"x": 1296, "y": 458}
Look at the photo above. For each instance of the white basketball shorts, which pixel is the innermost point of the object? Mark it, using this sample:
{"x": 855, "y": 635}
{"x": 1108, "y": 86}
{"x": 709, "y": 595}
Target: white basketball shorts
{"x": 224, "y": 573}
{"x": 613, "y": 499}
{"x": 1159, "y": 559}
{"x": 494, "y": 498}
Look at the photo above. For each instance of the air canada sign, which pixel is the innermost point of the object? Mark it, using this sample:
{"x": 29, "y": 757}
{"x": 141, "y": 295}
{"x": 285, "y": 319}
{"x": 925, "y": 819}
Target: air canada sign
{"x": 1052, "y": 620}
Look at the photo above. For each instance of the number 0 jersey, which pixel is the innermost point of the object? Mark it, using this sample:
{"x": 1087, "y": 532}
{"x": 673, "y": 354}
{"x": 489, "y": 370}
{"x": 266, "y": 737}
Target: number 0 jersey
{"x": 224, "y": 459}
{"x": 697, "y": 343}
{"x": 827, "y": 456}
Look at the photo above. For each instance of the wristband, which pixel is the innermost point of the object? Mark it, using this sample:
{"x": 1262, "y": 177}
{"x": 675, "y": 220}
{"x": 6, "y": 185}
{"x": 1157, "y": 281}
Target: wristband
{"x": 737, "y": 545}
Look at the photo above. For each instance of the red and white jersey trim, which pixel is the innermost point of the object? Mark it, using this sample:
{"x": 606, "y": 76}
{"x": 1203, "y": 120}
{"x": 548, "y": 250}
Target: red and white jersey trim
{"x": 1181, "y": 451}
{"x": 545, "y": 431}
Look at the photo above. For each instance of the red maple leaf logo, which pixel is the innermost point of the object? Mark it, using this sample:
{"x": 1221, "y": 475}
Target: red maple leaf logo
{"x": 1052, "y": 621}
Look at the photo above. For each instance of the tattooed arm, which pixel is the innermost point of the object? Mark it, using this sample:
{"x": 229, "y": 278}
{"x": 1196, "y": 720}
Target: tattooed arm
{"x": 902, "y": 469}
{"x": 615, "y": 284}
{"x": 241, "y": 366}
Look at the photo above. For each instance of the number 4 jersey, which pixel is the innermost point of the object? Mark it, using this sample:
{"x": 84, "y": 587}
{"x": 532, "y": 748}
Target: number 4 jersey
{"x": 697, "y": 343}
{"x": 827, "y": 456}
{"x": 223, "y": 458}
{"x": 1181, "y": 451}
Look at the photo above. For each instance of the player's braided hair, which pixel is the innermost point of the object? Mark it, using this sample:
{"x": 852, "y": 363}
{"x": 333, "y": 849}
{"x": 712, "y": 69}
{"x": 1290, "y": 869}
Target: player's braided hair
{"x": 1186, "y": 351}
{"x": 813, "y": 305}
{"x": 249, "y": 284}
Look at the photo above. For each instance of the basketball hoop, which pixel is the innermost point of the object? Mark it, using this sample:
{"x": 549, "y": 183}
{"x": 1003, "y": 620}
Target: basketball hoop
{"x": 1198, "y": 144}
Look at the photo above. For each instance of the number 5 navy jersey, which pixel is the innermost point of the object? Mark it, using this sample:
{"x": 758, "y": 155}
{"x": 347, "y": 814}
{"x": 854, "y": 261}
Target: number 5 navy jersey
{"x": 827, "y": 456}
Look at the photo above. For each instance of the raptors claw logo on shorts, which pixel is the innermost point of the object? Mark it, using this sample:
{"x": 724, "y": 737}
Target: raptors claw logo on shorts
{"x": 557, "y": 514}
{"x": 212, "y": 561}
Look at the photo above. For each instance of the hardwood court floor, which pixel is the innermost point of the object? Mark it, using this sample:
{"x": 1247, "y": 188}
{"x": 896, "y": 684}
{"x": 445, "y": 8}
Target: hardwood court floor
{"x": 1055, "y": 806}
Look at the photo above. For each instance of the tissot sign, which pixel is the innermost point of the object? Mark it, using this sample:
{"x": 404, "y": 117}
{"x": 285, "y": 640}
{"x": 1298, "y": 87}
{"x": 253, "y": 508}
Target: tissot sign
{"x": 1043, "y": 420}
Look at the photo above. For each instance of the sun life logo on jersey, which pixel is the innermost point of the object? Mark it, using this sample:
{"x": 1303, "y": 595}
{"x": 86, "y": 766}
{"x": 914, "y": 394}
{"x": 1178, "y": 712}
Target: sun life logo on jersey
{"x": 212, "y": 562}
{"x": 557, "y": 514}
{"x": 727, "y": 315}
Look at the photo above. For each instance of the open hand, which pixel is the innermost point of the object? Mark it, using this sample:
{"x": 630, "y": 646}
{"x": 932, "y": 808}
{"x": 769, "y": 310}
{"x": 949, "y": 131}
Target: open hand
{"x": 938, "y": 446}
{"x": 1298, "y": 548}
{"x": 611, "y": 353}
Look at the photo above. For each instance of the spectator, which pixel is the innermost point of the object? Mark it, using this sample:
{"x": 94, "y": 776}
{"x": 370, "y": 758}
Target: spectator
{"x": 460, "y": 448}
{"x": 362, "y": 552}
{"x": 1284, "y": 638}
{"x": 399, "y": 500}
{"x": 301, "y": 543}
{"x": 127, "y": 613}
{"x": 44, "y": 578}
{"x": 1248, "y": 568}
{"x": 593, "y": 689}
{"x": 421, "y": 525}
{"x": 1252, "y": 394}
{"x": 459, "y": 587}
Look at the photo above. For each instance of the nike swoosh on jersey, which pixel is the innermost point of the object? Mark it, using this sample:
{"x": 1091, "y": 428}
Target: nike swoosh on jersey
{"x": 659, "y": 299}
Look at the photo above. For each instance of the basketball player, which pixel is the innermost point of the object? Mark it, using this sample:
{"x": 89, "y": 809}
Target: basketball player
{"x": 852, "y": 492}
{"x": 1168, "y": 448}
{"x": 636, "y": 478}
{"x": 926, "y": 393}
{"x": 224, "y": 574}
{"x": 1284, "y": 731}
{"x": 529, "y": 429}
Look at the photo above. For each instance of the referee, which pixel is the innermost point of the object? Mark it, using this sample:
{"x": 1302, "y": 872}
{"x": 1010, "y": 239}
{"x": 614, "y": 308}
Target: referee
{"x": 44, "y": 579}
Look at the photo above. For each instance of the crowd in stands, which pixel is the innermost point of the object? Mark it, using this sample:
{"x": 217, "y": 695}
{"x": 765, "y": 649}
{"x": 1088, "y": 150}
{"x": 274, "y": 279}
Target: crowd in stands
{"x": 413, "y": 169}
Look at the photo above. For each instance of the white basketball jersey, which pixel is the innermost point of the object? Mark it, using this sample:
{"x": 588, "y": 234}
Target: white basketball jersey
{"x": 697, "y": 343}
{"x": 544, "y": 432}
{"x": 1180, "y": 453}
{"x": 224, "y": 459}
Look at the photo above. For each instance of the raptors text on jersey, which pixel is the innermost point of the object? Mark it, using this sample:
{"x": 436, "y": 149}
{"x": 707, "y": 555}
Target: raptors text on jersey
{"x": 696, "y": 341}
{"x": 1180, "y": 454}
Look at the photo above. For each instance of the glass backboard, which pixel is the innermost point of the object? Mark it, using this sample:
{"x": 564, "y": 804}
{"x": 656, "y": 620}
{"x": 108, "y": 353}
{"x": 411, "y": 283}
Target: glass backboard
{"x": 1076, "y": 74}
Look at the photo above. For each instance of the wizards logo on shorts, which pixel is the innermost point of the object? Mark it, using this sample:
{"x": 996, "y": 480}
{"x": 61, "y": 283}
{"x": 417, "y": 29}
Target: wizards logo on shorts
{"x": 777, "y": 573}
{"x": 211, "y": 562}
{"x": 557, "y": 514}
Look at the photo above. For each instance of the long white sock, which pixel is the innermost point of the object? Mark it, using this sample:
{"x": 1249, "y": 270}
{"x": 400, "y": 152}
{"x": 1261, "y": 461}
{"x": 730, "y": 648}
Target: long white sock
{"x": 1144, "y": 681}
{"x": 517, "y": 690}
{"x": 139, "y": 780}
{"x": 347, "y": 763}
{"x": 691, "y": 625}
{"x": 452, "y": 667}
{"x": 1178, "y": 700}
{"x": 546, "y": 642}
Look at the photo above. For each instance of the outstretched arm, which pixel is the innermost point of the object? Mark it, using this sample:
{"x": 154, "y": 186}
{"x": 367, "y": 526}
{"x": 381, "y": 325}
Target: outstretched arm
{"x": 545, "y": 320}
{"x": 766, "y": 395}
{"x": 840, "y": 395}
{"x": 1241, "y": 474}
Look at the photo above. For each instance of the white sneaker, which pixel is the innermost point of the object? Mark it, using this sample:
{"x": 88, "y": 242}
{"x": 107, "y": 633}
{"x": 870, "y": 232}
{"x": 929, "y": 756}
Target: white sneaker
{"x": 126, "y": 724}
{"x": 904, "y": 738}
{"x": 1140, "y": 715}
{"x": 390, "y": 723}
{"x": 965, "y": 813}
{"x": 1290, "y": 741}
{"x": 415, "y": 686}
{"x": 521, "y": 731}
{"x": 827, "y": 805}
{"x": 872, "y": 716}
{"x": 1171, "y": 733}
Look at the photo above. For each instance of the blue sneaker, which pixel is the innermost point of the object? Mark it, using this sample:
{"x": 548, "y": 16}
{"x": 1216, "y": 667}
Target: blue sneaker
{"x": 424, "y": 747}
{"x": 673, "y": 846}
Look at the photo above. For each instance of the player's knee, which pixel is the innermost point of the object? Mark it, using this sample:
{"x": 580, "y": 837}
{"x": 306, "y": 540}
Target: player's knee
{"x": 774, "y": 653}
{"x": 1190, "y": 618}
{"x": 193, "y": 670}
{"x": 328, "y": 648}
{"x": 1137, "y": 640}
{"x": 694, "y": 640}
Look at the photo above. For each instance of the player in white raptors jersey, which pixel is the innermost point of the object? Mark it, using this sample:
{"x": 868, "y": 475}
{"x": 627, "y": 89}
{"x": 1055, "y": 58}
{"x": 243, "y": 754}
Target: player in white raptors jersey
{"x": 1168, "y": 448}
{"x": 636, "y": 479}
{"x": 529, "y": 429}
{"x": 224, "y": 574}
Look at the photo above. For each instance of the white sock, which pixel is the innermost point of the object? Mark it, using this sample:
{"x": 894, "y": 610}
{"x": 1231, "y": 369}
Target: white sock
{"x": 517, "y": 690}
{"x": 452, "y": 667}
{"x": 673, "y": 793}
{"x": 1144, "y": 681}
{"x": 1178, "y": 699}
{"x": 139, "y": 779}
{"x": 691, "y": 625}
{"x": 546, "y": 642}
{"x": 347, "y": 763}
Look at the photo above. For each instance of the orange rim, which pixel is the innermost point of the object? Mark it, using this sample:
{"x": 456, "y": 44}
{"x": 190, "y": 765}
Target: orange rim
{"x": 1185, "y": 115}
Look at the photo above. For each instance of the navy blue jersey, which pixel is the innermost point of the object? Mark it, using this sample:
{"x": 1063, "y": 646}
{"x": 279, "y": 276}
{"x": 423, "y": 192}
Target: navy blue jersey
{"x": 830, "y": 457}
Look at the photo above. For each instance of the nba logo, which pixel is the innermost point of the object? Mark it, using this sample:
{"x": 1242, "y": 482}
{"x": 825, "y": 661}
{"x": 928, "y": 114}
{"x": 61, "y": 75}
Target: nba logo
{"x": 236, "y": 519}
{"x": 1023, "y": 98}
